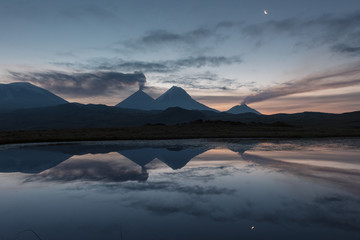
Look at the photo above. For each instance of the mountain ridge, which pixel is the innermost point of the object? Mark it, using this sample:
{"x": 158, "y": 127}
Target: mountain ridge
{"x": 173, "y": 97}
{"x": 75, "y": 115}
{"x": 23, "y": 95}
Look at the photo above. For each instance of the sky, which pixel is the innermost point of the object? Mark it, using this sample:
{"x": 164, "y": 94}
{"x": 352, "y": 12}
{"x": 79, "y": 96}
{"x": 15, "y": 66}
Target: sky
{"x": 300, "y": 56}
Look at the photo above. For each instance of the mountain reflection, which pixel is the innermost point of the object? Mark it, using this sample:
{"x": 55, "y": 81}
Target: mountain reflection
{"x": 121, "y": 162}
{"x": 70, "y": 162}
{"x": 114, "y": 169}
{"x": 222, "y": 187}
{"x": 89, "y": 169}
{"x": 175, "y": 157}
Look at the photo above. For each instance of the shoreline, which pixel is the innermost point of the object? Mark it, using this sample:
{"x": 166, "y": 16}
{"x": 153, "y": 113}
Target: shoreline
{"x": 224, "y": 130}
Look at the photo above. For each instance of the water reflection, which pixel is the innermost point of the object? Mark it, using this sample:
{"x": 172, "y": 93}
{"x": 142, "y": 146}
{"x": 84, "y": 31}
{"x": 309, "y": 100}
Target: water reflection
{"x": 193, "y": 189}
{"x": 29, "y": 160}
{"x": 175, "y": 157}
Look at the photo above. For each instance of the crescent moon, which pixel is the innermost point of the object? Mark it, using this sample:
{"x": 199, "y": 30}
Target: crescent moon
{"x": 265, "y": 12}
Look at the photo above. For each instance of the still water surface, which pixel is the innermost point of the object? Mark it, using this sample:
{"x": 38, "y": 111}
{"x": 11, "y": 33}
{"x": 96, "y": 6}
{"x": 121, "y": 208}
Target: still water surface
{"x": 181, "y": 189}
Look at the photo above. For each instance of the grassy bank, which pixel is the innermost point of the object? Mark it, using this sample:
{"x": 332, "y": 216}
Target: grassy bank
{"x": 215, "y": 129}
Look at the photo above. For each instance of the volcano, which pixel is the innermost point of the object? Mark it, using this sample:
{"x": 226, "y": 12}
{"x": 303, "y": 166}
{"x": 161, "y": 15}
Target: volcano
{"x": 21, "y": 95}
{"x": 138, "y": 100}
{"x": 178, "y": 97}
{"x": 243, "y": 108}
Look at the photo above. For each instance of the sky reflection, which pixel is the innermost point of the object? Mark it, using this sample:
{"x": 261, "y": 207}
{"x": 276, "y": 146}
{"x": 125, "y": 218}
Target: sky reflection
{"x": 190, "y": 189}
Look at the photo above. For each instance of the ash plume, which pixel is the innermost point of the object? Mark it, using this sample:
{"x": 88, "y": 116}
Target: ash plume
{"x": 85, "y": 84}
{"x": 337, "y": 78}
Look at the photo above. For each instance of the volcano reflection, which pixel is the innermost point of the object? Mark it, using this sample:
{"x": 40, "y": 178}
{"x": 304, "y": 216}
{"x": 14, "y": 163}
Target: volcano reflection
{"x": 121, "y": 162}
{"x": 218, "y": 188}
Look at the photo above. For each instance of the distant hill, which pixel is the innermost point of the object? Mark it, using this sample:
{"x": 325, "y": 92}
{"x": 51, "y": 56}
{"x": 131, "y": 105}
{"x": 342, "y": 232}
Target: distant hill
{"x": 177, "y": 97}
{"x": 21, "y": 95}
{"x": 76, "y": 116}
{"x": 71, "y": 115}
{"x": 138, "y": 100}
{"x": 243, "y": 108}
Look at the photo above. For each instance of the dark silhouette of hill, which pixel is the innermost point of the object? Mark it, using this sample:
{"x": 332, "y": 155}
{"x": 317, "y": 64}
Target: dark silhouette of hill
{"x": 22, "y": 95}
{"x": 243, "y": 108}
{"x": 138, "y": 100}
{"x": 37, "y": 159}
{"x": 74, "y": 115}
{"x": 177, "y": 97}
{"x": 174, "y": 97}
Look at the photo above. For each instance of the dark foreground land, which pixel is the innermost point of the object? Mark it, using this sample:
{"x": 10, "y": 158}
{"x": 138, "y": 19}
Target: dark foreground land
{"x": 196, "y": 129}
{"x": 78, "y": 122}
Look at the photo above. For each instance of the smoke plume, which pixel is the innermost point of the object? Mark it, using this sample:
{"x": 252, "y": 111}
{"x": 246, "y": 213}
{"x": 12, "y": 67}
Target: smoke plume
{"x": 82, "y": 84}
{"x": 338, "y": 78}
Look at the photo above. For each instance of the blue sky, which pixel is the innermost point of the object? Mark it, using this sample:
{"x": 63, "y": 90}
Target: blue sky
{"x": 301, "y": 56}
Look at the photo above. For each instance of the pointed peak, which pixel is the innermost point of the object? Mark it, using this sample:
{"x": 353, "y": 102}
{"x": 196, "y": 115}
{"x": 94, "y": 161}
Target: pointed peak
{"x": 137, "y": 100}
{"x": 21, "y": 84}
{"x": 175, "y": 92}
{"x": 243, "y": 108}
{"x": 139, "y": 92}
{"x": 176, "y": 89}
{"x": 178, "y": 97}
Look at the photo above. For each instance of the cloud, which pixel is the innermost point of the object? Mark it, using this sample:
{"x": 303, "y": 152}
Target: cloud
{"x": 166, "y": 66}
{"x": 344, "y": 48}
{"x": 332, "y": 79}
{"x": 163, "y": 66}
{"x": 88, "y": 11}
{"x": 157, "y": 37}
{"x": 205, "y": 80}
{"x": 340, "y": 33}
{"x": 82, "y": 84}
{"x": 193, "y": 38}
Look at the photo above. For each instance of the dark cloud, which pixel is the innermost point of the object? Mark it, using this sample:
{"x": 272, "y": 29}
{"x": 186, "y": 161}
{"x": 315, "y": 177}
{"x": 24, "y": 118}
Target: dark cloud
{"x": 193, "y": 38}
{"x": 340, "y": 33}
{"x": 88, "y": 11}
{"x": 344, "y": 48}
{"x": 164, "y": 66}
{"x": 205, "y": 80}
{"x": 82, "y": 84}
{"x": 167, "y": 66}
{"x": 162, "y": 36}
{"x": 332, "y": 79}
{"x": 201, "y": 61}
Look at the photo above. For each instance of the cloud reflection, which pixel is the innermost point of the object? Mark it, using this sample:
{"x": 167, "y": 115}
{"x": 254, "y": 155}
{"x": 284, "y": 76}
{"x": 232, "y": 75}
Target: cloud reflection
{"x": 237, "y": 182}
{"x": 104, "y": 171}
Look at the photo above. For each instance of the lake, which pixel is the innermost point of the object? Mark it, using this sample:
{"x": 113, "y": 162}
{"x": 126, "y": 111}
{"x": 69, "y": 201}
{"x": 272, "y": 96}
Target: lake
{"x": 181, "y": 189}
